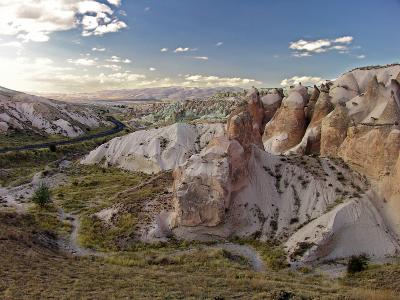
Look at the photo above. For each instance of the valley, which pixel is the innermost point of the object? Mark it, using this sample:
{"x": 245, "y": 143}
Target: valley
{"x": 268, "y": 192}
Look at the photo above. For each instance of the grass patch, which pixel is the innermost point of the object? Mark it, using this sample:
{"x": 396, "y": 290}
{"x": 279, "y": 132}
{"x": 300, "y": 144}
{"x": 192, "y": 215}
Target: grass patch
{"x": 46, "y": 219}
{"x": 93, "y": 234}
{"x": 273, "y": 255}
{"x": 91, "y": 188}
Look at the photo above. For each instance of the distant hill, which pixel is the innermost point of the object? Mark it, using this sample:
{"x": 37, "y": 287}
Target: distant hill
{"x": 164, "y": 93}
{"x": 24, "y": 112}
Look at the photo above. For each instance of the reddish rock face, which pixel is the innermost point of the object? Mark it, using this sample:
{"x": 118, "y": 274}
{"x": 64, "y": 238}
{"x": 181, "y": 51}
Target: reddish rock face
{"x": 309, "y": 111}
{"x": 203, "y": 186}
{"x": 246, "y": 124}
{"x": 372, "y": 150}
{"x": 271, "y": 102}
{"x": 287, "y": 127}
{"x": 334, "y": 131}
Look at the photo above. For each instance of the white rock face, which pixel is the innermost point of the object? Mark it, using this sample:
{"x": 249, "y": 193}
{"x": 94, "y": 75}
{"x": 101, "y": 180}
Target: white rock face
{"x": 38, "y": 114}
{"x": 155, "y": 150}
{"x": 353, "y": 227}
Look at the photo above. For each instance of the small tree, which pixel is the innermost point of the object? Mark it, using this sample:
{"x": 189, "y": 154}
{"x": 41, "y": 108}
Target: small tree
{"x": 357, "y": 264}
{"x": 42, "y": 195}
{"x": 53, "y": 148}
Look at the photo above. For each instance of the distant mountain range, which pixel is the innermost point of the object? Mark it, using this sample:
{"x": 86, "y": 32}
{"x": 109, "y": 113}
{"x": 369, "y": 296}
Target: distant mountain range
{"x": 164, "y": 93}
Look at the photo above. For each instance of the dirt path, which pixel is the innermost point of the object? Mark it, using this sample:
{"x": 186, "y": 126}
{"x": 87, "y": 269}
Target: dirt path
{"x": 71, "y": 244}
{"x": 252, "y": 256}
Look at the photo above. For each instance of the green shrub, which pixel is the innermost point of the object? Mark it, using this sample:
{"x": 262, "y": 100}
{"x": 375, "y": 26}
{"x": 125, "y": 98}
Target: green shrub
{"x": 42, "y": 195}
{"x": 357, "y": 264}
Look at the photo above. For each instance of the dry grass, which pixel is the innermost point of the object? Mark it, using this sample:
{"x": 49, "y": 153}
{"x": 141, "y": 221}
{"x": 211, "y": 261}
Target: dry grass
{"x": 31, "y": 269}
{"x": 368, "y": 294}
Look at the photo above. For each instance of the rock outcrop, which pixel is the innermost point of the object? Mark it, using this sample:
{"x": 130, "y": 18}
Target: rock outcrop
{"x": 334, "y": 131}
{"x": 272, "y": 101}
{"x": 310, "y": 144}
{"x": 287, "y": 127}
{"x": 204, "y": 185}
{"x": 155, "y": 150}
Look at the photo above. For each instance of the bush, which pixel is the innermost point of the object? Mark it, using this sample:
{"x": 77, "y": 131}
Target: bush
{"x": 42, "y": 195}
{"x": 357, "y": 264}
{"x": 53, "y": 148}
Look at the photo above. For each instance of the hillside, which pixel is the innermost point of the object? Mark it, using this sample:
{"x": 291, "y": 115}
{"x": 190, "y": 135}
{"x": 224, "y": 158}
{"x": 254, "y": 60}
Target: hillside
{"x": 27, "y": 113}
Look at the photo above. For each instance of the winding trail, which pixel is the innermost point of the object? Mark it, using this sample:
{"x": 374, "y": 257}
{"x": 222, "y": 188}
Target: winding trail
{"x": 119, "y": 126}
{"x": 72, "y": 245}
{"x": 252, "y": 256}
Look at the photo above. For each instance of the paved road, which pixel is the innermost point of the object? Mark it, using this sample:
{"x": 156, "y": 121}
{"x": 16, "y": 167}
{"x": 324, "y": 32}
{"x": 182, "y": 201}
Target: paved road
{"x": 119, "y": 126}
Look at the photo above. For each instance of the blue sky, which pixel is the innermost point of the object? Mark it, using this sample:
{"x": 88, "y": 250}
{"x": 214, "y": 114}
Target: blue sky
{"x": 52, "y": 45}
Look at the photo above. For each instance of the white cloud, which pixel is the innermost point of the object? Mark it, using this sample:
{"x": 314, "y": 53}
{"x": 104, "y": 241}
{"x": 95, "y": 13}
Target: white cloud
{"x": 305, "y": 80}
{"x": 152, "y": 69}
{"x": 304, "y": 48}
{"x": 180, "y": 49}
{"x": 117, "y": 59}
{"x": 99, "y": 49}
{"x": 35, "y": 20}
{"x": 164, "y": 50}
{"x": 201, "y": 57}
{"x": 115, "y": 2}
{"x": 13, "y": 44}
{"x": 184, "y": 49}
{"x": 147, "y": 8}
{"x": 344, "y": 40}
{"x": 219, "y": 44}
{"x": 82, "y": 62}
{"x": 362, "y": 56}
{"x": 206, "y": 80}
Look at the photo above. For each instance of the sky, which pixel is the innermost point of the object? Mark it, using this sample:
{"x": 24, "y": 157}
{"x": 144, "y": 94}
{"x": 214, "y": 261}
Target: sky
{"x": 49, "y": 46}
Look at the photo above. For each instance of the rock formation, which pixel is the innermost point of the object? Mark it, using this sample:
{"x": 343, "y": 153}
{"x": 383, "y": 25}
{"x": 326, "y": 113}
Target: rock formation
{"x": 319, "y": 207}
{"x": 155, "y": 150}
{"x": 334, "y": 131}
{"x": 204, "y": 185}
{"x": 310, "y": 144}
{"x": 272, "y": 101}
{"x": 287, "y": 127}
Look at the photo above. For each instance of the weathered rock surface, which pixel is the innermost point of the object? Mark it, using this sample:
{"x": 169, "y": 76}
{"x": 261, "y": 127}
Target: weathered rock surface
{"x": 204, "y": 185}
{"x": 155, "y": 150}
{"x": 287, "y": 127}
{"x": 272, "y": 101}
{"x": 334, "y": 131}
{"x": 310, "y": 144}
